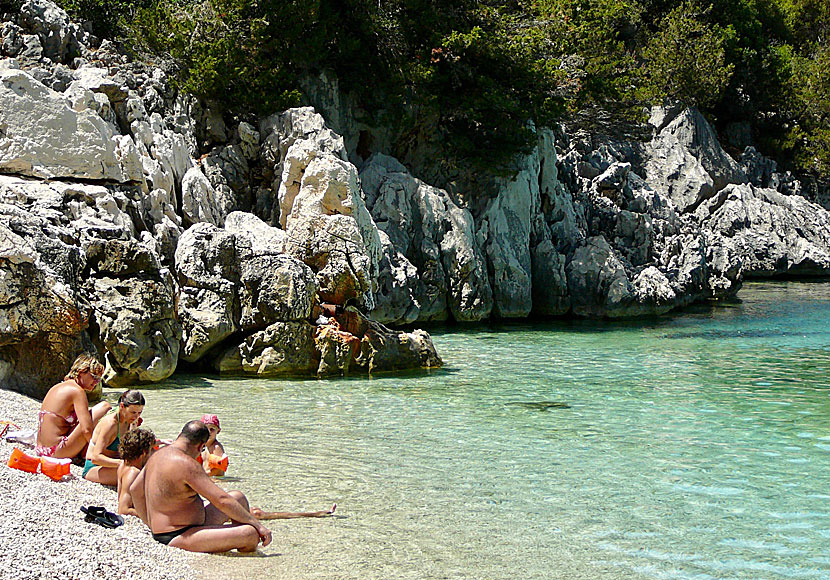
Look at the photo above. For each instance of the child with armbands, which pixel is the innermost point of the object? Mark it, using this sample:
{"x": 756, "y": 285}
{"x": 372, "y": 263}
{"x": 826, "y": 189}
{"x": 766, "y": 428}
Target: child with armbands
{"x": 214, "y": 459}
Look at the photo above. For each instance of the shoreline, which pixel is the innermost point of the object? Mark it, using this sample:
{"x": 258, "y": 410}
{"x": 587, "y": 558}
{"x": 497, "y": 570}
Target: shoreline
{"x": 45, "y": 535}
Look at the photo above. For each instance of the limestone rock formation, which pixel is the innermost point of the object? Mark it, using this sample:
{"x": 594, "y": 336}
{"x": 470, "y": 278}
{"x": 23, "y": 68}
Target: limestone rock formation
{"x": 41, "y": 318}
{"x": 134, "y": 311}
{"x": 207, "y": 271}
{"x": 430, "y": 232}
{"x": 685, "y": 159}
{"x": 329, "y": 228}
{"x": 771, "y": 232}
{"x": 41, "y": 136}
{"x": 159, "y": 228}
{"x": 283, "y": 348}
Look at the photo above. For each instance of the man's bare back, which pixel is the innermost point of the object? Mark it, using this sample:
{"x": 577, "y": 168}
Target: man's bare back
{"x": 171, "y": 501}
{"x": 168, "y": 496}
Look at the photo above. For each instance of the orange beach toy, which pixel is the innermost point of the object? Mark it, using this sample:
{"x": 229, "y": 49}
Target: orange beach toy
{"x": 54, "y": 468}
{"x": 49, "y": 466}
{"x": 216, "y": 462}
{"x": 24, "y": 462}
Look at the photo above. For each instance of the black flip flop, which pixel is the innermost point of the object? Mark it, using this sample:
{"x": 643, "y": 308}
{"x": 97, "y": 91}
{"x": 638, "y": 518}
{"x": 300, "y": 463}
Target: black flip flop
{"x": 98, "y": 515}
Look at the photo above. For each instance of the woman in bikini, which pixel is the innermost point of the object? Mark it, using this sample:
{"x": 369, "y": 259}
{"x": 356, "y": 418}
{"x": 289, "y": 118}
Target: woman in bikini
{"x": 65, "y": 421}
{"x": 102, "y": 457}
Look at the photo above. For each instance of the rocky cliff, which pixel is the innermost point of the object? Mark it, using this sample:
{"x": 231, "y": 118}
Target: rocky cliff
{"x": 137, "y": 220}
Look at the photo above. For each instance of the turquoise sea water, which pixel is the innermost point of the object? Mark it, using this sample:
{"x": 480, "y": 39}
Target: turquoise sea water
{"x": 692, "y": 446}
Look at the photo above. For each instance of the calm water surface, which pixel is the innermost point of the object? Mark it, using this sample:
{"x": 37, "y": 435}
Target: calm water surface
{"x": 693, "y": 447}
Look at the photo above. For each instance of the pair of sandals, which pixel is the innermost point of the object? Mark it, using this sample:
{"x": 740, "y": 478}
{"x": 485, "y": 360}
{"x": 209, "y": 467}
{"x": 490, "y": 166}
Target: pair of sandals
{"x": 98, "y": 515}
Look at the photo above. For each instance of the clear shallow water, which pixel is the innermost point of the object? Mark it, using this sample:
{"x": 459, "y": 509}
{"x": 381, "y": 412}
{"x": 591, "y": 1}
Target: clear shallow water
{"x": 692, "y": 447}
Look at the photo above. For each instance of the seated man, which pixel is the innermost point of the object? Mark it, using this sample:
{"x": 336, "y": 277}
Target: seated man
{"x": 168, "y": 496}
{"x": 135, "y": 449}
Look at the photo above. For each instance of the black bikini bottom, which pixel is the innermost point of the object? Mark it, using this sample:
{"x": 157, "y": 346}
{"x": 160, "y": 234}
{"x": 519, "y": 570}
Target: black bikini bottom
{"x": 167, "y": 537}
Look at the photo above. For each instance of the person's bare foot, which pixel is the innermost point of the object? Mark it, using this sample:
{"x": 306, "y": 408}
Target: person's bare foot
{"x": 334, "y": 507}
{"x": 256, "y": 512}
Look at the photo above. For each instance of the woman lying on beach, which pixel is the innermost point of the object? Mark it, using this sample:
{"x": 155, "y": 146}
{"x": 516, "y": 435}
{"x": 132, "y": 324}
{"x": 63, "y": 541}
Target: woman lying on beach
{"x": 65, "y": 421}
{"x": 102, "y": 457}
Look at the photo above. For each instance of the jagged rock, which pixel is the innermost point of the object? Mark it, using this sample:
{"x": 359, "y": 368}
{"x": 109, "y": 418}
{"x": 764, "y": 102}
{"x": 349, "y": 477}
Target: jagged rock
{"x": 597, "y": 281}
{"x": 228, "y": 282}
{"x": 98, "y": 80}
{"x": 685, "y": 159}
{"x": 280, "y": 132}
{"x": 330, "y": 229}
{"x": 170, "y": 150}
{"x": 207, "y": 270}
{"x": 41, "y": 317}
{"x": 236, "y": 281}
{"x": 772, "y": 233}
{"x": 12, "y": 42}
{"x": 133, "y": 311}
{"x": 248, "y": 140}
{"x": 41, "y": 136}
{"x": 199, "y": 199}
{"x": 227, "y": 170}
{"x": 436, "y": 236}
{"x": 396, "y": 299}
{"x": 275, "y": 288}
{"x": 505, "y": 225}
{"x": 52, "y": 26}
{"x": 254, "y": 237}
{"x": 283, "y": 348}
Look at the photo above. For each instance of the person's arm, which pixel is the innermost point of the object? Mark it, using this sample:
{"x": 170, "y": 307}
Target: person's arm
{"x": 205, "y": 460}
{"x": 81, "y": 405}
{"x": 199, "y": 482}
{"x": 103, "y": 435}
{"x": 139, "y": 498}
{"x": 125, "y": 498}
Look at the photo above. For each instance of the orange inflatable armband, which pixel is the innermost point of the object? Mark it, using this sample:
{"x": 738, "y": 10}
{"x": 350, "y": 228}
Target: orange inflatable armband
{"x": 20, "y": 460}
{"x": 216, "y": 462}
{"x": 54, "y": 468}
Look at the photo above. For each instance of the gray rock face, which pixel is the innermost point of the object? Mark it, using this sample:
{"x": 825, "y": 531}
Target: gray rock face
{"x": 283, "y": 348}
{"x": 134, "y": 310}
{"x": 106, "y": 240}
{"x": 685, "y": 159}
{"x": 56, "y": 34}
{"x": 772, "y": 233}
{"x": 290, "y": 140}
{"x": 41, "y": 318}
{"x": 275, "y": 288}
{"x": 40, "y": 136}
{"x": 329, "y": 228}
{"x": 99, "y": 178}
{"x": 431, "y": 233}
{"x": 207, "y": 270}
{"x": 72, "y": 228}
{"x": 235, "y": 282}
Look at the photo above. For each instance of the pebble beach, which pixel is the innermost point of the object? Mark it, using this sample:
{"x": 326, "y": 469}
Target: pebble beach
{"x": 44, "y": 534}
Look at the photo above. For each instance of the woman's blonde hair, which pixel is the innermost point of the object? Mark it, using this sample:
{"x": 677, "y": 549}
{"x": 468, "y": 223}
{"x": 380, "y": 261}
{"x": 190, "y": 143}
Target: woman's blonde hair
{"x": 85, "y": 362}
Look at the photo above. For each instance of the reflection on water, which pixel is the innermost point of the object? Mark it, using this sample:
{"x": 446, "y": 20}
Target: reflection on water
{"x": 694, "y": 446}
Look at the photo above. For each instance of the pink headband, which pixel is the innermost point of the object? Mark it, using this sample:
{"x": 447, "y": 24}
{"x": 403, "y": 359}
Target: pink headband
{"x": 210, "y": 420}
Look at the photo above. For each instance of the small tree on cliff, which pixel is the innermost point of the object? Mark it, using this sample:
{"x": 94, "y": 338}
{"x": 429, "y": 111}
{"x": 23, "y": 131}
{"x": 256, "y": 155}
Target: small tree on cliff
{"x": 686, "y": 59}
